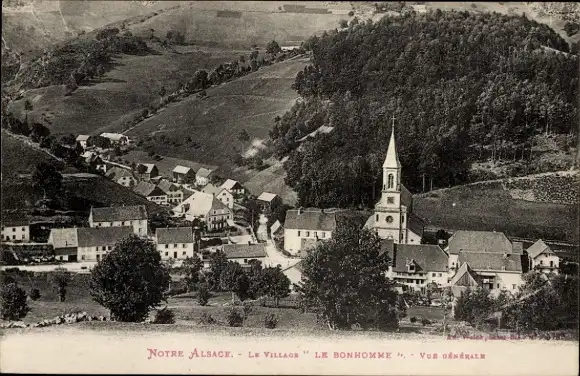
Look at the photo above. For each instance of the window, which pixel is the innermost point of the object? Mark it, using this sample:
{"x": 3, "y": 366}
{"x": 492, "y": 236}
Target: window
{"x": 183, "y": 245}
{"x": 440, "y": 274}
{"x": 541, "y": 262}
{"x": 390, "y": 200}
{"x": 324, "y": 234}
{"x": 82, "y": 257}
{"x": 307, "y": 234}
{"x": 298, "y": 232}
{"x": 166, "y": 253}
{"x": 315, "y": 234}
{"x": 498, "y": 285}
{"x": 184, "y": 253}
{"x": 13, "y": 229}
{"x": 23, "y": 229}
{"x": 377, "y": 218}
{"x": 513, "y": 287}
{"x": 174, "y": 245}
{"x": 166, "y": 245}
{"x": 98, "y": 257}
{"x": 433, "y": 274}
{"x": 403, "y": 218}
{"x": 391, "y": 181}
{"x": 245, "y": 261}
{"x": 389, "y": 219}
{"x": 23, "y": 238}
{"x": 551, "y": 262}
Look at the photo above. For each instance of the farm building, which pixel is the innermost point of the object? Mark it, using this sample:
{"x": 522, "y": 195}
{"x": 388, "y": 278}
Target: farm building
{"x": 244, "y": 253}
{"x": 269, "y": 200}
{"x": 183, "y": 175}
{"x": 135, "y": 216}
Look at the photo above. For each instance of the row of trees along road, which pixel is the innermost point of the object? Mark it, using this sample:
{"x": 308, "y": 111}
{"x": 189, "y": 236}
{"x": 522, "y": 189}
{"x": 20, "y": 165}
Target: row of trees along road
{"x": 457, "y": 83}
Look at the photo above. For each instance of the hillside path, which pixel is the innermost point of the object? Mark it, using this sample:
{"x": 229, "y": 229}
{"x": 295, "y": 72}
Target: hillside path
{"x": 33, "y": 145}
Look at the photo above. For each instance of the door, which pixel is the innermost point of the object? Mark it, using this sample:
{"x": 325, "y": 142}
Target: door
{"x": 174, "y": 254}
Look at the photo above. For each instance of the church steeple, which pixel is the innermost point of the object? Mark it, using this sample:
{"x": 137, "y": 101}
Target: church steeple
{"x": 392, "y": 159}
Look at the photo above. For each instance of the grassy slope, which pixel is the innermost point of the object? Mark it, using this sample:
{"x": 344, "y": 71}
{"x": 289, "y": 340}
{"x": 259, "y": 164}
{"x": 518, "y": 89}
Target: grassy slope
{"x": 18, "y": 157}
{"x": 488, "y": 207}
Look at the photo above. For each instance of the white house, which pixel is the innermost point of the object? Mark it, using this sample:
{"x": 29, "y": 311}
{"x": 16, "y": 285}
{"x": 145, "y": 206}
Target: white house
{"x": 303, "y": 227}
{"x": 542, "y": 258}
{"x": 120, "y": 216}
{"x": 94, "y": 243}
{"x": 233, "y": 186}
{"x": 82, "y": 139}
{"x": 222, "y": 194}
{"x": 207, "y": 208}
{"x": 175, "y": 243}
{"x": 202, "y": 177}
{"x": 116, "y": 138}
{"x": 151, "y": 192}
{"x": 244, "y": 253}
{"x": 415, "y": 266}
{"x": 15, "y": 228}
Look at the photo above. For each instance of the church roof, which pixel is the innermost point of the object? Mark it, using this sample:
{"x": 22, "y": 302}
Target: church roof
{"x": 392, "y": 159}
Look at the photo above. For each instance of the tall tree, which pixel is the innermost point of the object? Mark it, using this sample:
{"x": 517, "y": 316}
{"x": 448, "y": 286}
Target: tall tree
{"x": 47, "y": 179}
{"x": 191, "y": 268}
{"x": 60, "y": 280}
{"x": 234, "y": 279}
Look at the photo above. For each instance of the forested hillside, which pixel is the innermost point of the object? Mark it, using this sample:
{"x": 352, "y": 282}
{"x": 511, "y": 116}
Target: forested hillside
{"x": 462, "y": 87}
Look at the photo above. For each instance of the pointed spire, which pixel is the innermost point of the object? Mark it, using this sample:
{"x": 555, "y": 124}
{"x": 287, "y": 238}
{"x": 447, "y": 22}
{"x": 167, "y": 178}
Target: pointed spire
{"x": 392, "y": 159}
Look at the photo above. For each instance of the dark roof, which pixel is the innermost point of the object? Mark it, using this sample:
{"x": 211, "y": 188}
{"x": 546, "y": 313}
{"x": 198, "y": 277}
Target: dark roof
{"x": 244, "y": 250}
{"x": 415, "y": 224}
{"x": 479, "y": 241}
{"x": 484, "y": 261}
{"x": 406, "y": 197}
{"x": 119, "y": 213}
{"x": 174, "y": 235}
{"x": 167, "y": 186}
{"x": 14, "y": 219}
{"x": 147, "y": 189}
{"x": 538, "y": 248}
{"x": 427, "y": 258}
{"x": 98, "y": 236}
{"x": 310, "y": 219}
{"x": 203, "y": 172}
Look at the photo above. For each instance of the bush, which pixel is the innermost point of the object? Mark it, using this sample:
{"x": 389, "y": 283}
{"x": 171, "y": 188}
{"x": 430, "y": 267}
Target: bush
{"x": 34, "y": 294}
{"x": 206, "y": 319}
{"x": 13, "y": 301}
{"x": 425, "y": 322}
{"x": 270, "y": 321}
{"x": 164, "y": 316}
{"x": 203, "y": 295}
{"x": 413, "y": 320}
{"x": 235, "y": 318}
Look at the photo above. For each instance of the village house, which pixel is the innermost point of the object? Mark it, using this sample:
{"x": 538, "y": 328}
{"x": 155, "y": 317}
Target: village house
{"x": 94, "y": 243}
{"x": 244, "y": 253}
{"x": 174, "y": 193}
{"x": 492, "y": 258}
{"x": 92, "y": 158}
{"x": 222, "y": 194}
{"x": 415, "y": 266}
{"x": 183, "y": 175}
{"x": 116, "y": 138}
{"x": 303, "y": 228}
{"x": 83, "y": 139}
{"x": 146, "y": 171}
{"x": 151, "y": 192}
{"x": 118, "y": 216}
{"x": 393, "y": 217}
{"x": 269, "y": 200}
{"x": 541, "y": 257}
{"x": 203, "y": 176}
{"x": 15, "y": 228}
{"x": 207, "y": 208}
{"x": 234, "y": 187}
{"x": 65, "y": 243}
{"x": 175, "y": 243}
{"x": 121, "y": 176}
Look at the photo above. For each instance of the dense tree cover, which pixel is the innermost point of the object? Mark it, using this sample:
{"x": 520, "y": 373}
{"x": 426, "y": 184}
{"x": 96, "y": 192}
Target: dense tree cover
{"x": 131, "y": 280}
{"x": 344, "y": 281}
{"x": 80, "y": 60}
{"x": 13, "y": 302}
{"x": 458, "y": 85}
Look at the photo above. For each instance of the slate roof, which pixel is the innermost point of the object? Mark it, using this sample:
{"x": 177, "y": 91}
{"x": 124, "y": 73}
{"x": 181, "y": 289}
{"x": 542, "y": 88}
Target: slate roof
{"x": 99, "y": 236}
{"x": 174, "y": 235}
{"x": 63, "y": 238}
{"x": 231, "y": 185}
{"x": 310, "y": 219}
{"x": 119, "y": 213}
{"x": 406, "y": 197}
{"x": 244, "y": 250}
{"x": 427, "y": 258}
{"x": 147, "y": 189}
{"x": 479, "y": 241}
{"x": 181, "y": 169}
{"x": 486, "y": 261}
{"x": 267, "y": 196}
{"x": 203, "y": 172}
{"x": 538, "y": 248}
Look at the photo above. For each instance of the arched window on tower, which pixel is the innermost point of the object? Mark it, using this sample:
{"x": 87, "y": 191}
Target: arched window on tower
{"x": 390, "y": 181}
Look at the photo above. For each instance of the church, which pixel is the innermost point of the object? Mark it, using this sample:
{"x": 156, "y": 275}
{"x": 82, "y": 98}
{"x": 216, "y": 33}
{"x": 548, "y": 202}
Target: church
{"x": 393, "y": 217}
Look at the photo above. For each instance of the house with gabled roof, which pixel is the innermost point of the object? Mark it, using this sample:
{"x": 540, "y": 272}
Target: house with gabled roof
{"x": 82, "y": 139}
{"x": 222, "y": 194}
{"x": 269, "y": 200}
{"x": 121, "y": 216}
{"x": 233, "y": 186}
{"x": 65, "y": 243}
{"x": 175, "y": 242}
{"x": 116, "y": 138}
{"x": 304, "y": 227}
{"x": 122, "y": 176}
{"x": 146, "y": 171}
{"x": 183, "y": 175}
{"x": 244, "y": 253}
{"x": 15, "y": 228}
{"x": 541, "y": 257}
{"x": 174, "y": 193}
{"x": 202, "y": 176}
{"x": 206, "y": 207}
{"x": 151, "y": 192}
{"x": 95, "y": 243}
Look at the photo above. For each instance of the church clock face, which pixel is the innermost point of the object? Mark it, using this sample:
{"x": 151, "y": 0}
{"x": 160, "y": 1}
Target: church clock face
{"x": 389, "y": 219}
